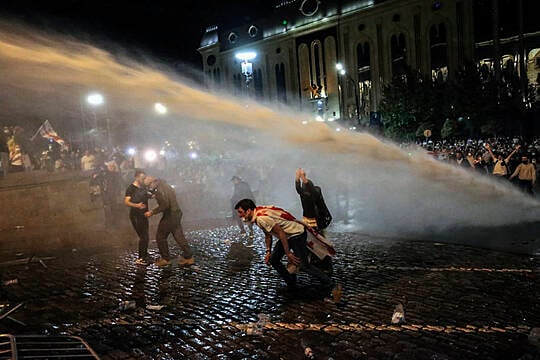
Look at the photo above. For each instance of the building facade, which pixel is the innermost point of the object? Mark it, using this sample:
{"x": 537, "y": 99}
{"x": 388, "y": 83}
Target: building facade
{"x": 332, "y": 58}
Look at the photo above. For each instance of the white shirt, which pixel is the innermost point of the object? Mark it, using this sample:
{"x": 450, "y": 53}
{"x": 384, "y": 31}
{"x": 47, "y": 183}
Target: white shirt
{"x": 267, "y": 216}
{"x": 88, "y": 162}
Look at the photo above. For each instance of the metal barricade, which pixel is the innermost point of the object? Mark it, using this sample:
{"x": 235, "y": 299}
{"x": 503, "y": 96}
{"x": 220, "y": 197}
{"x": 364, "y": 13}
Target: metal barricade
{"x": 44, "y": 347}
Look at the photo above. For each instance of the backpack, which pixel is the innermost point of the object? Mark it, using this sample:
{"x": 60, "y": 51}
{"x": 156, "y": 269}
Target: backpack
{"x": 324, "y": 218}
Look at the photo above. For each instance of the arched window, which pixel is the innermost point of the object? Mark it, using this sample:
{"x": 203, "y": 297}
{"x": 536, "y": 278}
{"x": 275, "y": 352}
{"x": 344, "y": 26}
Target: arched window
{"x": 217, "y": 76}
{"x": 237, "y": 81}
{"x": 364, "y": 80}
{"x": 258, "y": 83}
{"x": 281, "y": 83}
{"x": 398, "y": 53}
{"x": 364, "y": 61}
{"x": 317, "y": 65}
{"x": 438, "y": 46}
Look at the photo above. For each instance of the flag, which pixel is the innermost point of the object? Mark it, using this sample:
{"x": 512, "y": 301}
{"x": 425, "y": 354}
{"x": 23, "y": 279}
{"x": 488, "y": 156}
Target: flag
{"x": 47, "y": 131}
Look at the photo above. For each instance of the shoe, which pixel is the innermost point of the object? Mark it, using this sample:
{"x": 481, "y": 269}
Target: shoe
{"x": 142, "y": 262}
{"x": 186, "y": 262}
{"x": 163, "y": 262}
{"x": 337, "y": 292}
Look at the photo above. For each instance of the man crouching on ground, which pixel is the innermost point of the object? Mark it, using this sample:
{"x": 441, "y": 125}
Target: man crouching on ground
{"x": 291, "y": 234}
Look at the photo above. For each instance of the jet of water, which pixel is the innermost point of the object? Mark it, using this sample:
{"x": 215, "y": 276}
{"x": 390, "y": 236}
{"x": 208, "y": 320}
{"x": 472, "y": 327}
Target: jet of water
{"x": 375, "y": 185}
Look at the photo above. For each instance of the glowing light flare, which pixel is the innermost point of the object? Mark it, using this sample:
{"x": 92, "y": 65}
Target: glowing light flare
{"x": 131, "y": 151}
{"x": 95, "y": 99}
{"x": 160, "y": 108}
{"x": 339, "y": 66}
{"x": 246, "y": 56}
{"x": 150, "y": 155}
{"x": 193, "y": 155}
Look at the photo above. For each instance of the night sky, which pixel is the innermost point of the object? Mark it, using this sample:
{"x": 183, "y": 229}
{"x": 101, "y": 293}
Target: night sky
{"x": 167, "y": 30}
{"x": 171, "y": 30}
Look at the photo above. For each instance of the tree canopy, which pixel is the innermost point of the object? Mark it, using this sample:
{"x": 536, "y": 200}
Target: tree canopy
{"x": 471, "y": 105}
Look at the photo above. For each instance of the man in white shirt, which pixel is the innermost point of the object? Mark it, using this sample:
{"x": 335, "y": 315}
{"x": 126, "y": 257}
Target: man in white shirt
{"x": 88, "y": 161}
{"x": 292, "y": 235}
{"x": 500, "y": 165}
{"x": 526, "y": 173}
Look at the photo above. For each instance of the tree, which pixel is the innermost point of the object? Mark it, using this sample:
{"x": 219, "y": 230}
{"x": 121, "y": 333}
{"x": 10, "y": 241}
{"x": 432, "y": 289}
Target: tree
{"x": 472, "y": 105}
{"x": 406, "y": 105}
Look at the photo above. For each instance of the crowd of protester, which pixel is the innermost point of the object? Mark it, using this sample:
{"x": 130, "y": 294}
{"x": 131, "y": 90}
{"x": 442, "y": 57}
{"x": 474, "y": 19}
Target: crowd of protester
{"x": 507, "y": 159}
{"x": 201, "y": 180}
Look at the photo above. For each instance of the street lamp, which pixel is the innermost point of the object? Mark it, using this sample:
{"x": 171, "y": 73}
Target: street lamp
{"x": 247, "y": 66}
{"x": 160, "y": 108}
{"x": 96, "y": 99}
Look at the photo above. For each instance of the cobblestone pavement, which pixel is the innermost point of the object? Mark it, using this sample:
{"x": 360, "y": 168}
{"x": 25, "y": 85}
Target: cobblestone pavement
{"x": 459, "y": 302}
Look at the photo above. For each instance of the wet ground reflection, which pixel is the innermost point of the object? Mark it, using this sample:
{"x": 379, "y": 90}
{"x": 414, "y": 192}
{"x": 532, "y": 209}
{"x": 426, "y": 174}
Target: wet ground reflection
{"x": 207, "y": 308}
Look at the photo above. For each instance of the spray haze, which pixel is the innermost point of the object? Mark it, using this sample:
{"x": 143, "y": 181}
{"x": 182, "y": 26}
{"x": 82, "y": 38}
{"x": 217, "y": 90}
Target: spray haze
{"x": 382, "y": 189}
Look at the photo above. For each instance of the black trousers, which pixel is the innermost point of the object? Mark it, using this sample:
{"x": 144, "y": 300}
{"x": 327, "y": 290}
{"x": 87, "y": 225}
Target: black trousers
{"x": 526, "y": 186}
{"x": 171, "y": 223}
{"x": 140, "y": 224}
{"x": 298, "y": 245}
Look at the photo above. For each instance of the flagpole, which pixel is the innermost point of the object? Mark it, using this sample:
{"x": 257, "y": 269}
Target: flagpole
{"x": 37, "y": 132}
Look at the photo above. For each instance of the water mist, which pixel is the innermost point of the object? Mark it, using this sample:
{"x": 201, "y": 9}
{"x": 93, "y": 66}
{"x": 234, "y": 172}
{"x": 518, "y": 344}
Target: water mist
{"x": 376, "y": 186}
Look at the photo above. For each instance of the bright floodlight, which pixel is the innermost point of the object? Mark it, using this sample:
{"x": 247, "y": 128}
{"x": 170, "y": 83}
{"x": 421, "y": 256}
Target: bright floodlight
{"x": 95, "y": 99}
{"x": 246, "y": 56}
{"x": 150, "y": 155}
{"x": 193, "y": 155}
{"x": 131, "y": 151}
{"x": 339, "y": 66}
{"x": 342, "y": 72}
{"x": 160, "y": 108}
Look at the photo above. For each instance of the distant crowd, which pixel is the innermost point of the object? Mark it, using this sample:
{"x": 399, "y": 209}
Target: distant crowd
{"x": 507, "y": 159}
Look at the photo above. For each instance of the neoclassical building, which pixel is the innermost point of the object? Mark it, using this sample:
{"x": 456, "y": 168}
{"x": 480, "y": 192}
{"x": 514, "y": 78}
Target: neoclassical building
{"x": 332, "y": 58}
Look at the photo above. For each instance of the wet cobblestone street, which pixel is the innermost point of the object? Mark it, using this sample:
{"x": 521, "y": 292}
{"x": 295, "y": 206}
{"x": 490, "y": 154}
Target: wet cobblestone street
{"x": 459, "y": 302}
